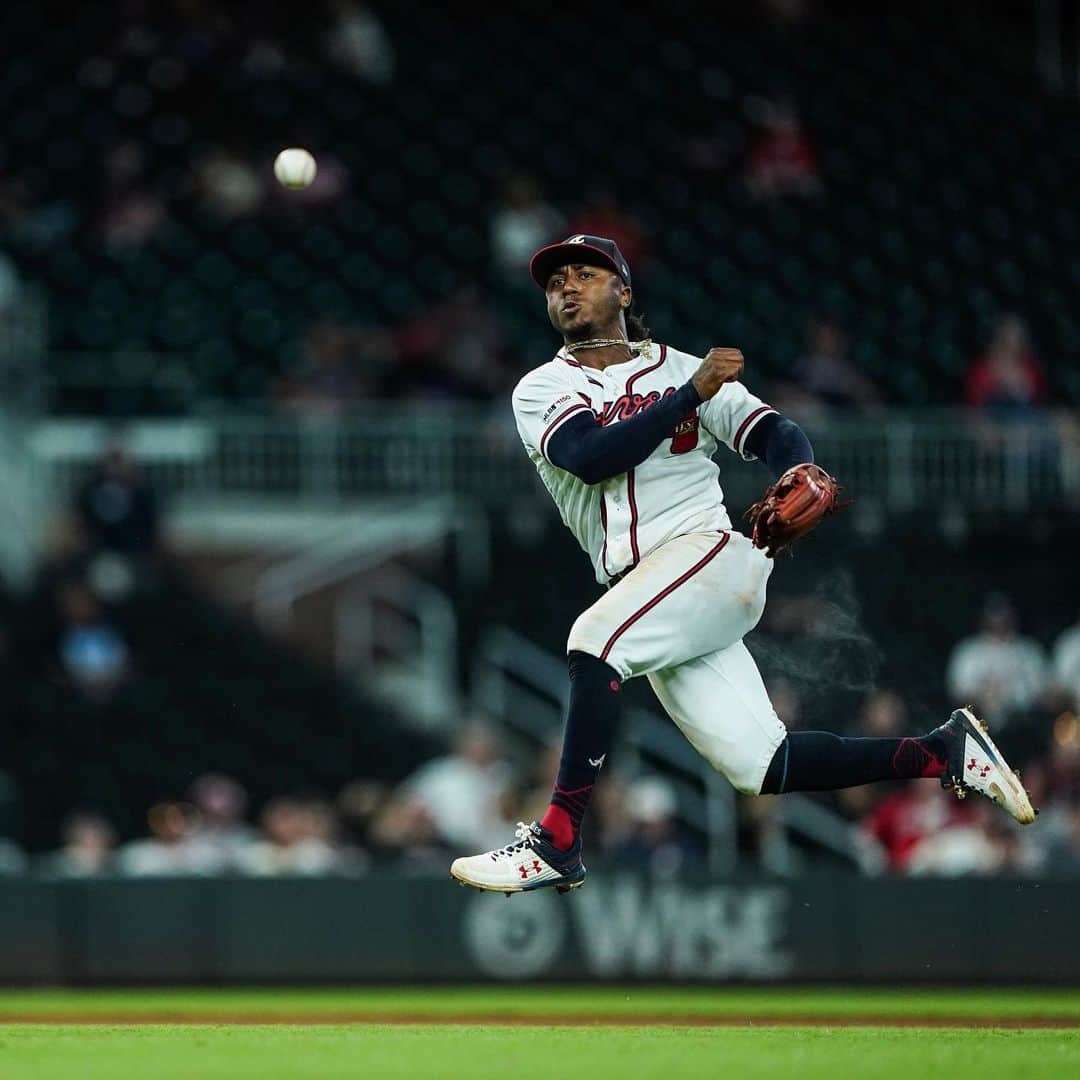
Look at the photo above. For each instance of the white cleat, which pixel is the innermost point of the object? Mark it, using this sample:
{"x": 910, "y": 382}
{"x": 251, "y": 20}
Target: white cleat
{"x": 976, "y": 764}
{"x": 531, "y": 862}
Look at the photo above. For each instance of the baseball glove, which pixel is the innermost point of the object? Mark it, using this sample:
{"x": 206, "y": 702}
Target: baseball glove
{"x": 793, "y": 506}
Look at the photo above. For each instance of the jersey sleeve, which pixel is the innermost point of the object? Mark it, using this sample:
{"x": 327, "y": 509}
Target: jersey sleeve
{"x": 731, "y": 414}
{"x": 542, "y": 404}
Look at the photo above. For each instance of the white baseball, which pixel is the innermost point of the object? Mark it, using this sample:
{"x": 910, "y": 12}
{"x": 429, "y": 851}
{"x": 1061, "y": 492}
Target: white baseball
{"x": 294, "y": 168}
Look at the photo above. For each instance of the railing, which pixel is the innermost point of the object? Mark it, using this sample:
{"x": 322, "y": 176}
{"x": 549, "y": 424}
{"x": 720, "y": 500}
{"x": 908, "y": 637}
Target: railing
{"x": 399, "y": 635}
{"x": 893, "y": 462}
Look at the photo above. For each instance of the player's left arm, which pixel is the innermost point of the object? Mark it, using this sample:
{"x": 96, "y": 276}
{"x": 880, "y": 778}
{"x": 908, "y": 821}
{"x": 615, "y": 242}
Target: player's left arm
{"x": 779, "y": 442}
{"x": 755, "y": 430}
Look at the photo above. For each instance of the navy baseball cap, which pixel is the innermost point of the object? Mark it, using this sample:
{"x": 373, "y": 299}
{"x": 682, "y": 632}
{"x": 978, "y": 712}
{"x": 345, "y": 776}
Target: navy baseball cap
{"x": 591, "y": 250}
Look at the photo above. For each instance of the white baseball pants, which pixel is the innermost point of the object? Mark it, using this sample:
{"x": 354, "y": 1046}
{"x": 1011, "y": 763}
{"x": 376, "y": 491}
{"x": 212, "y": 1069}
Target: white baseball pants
{"x": 679, "y": 617}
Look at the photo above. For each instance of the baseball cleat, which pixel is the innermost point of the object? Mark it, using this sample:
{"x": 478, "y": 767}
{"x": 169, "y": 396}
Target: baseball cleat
{"x": 531, "y": 862}
{"x": 976, "y": 764}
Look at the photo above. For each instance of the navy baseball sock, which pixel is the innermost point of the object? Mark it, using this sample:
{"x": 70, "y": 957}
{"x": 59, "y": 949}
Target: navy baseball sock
{"x": 590, "y": 728}
{"x": 821, "y": 761}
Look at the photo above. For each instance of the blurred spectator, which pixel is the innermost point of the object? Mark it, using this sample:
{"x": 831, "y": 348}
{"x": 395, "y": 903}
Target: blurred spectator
{"x": 130, "y": 209}
{"x": 656, "y": 843}
{"x": 1006, "y": 380}
{"x": 93, "y": 653}
{"x": 981, "y": 841}
{"x": 359, "y": 44}
{"x": 116, "y": 508}
{"x": 603, "y": 215}
{"x": 902, "y": 820}
{"x": 297, "y": 839}
{"x": 334, "y": 374}
{"x": 522, "y": 223}
{"x": 226, "y": 185}
{"x": 455, "y": 349}
{"x": 782, "y": 160}
{"x": 996, "y": 669}
{"x": 169, "y": 848}
{"x": 221, "y": 803}
{"x": 87, "y": 849}
{"x": 1058, "y": 838}
{"x": 533, "y": 804}
{"x": 358, "y": 805}
{"x": 825, "y": 376}
{"x": 1061, "y": 768}
{"x": 884, "y": 715}
{"x": 458, "y": 796}
{"x": 1066, "y": 664}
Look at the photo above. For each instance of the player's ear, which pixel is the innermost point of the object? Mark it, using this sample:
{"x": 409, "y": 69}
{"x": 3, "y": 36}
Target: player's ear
{"x": 626, "y": 298}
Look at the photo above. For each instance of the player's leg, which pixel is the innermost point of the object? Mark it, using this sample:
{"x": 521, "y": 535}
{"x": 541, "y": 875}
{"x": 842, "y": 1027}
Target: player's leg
{"x": 692, "y": 596}
{"x": 960, "y": 752}
{"x": 687, "y": 598}
{"x": 548, "y": 853}
{"x": 721, "y": 705}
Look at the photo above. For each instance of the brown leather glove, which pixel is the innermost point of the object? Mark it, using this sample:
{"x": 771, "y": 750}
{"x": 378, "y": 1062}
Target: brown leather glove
{"x": 793, "y": 506}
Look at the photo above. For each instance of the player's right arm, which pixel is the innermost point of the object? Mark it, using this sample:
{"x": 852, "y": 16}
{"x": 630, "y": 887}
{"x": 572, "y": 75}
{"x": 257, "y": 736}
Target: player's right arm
{"x": 750, "y": 426}
{"x": 557, "y": 421}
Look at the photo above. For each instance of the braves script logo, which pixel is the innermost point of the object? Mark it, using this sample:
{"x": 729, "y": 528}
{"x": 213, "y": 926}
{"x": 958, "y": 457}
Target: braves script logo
{"x": 683, "y": 438}
{"x": 628, "y": 405}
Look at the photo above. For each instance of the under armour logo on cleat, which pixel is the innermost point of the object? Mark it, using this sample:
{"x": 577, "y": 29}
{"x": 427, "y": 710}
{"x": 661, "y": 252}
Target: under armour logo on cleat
{"x": 598, "y": 762}
{"x": 983, "y": 770}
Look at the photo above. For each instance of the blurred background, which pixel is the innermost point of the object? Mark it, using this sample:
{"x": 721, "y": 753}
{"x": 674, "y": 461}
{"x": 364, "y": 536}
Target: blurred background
{"x": 280, "y": 593}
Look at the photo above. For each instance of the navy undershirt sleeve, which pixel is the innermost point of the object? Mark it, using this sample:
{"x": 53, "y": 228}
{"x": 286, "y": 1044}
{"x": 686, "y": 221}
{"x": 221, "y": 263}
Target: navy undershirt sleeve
{"x": 779, "y": 442}
{"x": 593, "y": 453}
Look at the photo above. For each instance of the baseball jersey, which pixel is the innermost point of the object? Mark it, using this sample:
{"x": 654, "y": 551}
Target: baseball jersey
{"x": 674, "y": 491}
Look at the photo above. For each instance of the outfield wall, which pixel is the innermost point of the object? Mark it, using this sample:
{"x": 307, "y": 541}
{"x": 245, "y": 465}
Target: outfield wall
{"x": 616, "y": 928}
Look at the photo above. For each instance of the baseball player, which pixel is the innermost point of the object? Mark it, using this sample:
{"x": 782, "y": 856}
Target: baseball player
{"x": 622, "y": 431}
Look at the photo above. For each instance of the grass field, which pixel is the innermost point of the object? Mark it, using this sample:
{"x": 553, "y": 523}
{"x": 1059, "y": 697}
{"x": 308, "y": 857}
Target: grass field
{"x": 539, "y": 1032}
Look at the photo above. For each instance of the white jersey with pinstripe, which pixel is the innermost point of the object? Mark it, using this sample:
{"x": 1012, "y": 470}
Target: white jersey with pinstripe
{"x": 674, "y": 492}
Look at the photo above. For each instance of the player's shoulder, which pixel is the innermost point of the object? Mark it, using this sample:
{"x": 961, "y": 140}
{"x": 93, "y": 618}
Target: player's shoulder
{"x": 542, "y": 378}
{"x": 676, "y": 357}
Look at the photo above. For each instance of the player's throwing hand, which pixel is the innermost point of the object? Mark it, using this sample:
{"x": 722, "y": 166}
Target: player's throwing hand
{"x": 719, "y": 366}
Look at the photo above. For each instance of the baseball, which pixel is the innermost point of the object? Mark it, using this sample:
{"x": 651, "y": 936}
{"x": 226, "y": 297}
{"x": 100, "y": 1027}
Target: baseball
{"x": 294, "y": 168}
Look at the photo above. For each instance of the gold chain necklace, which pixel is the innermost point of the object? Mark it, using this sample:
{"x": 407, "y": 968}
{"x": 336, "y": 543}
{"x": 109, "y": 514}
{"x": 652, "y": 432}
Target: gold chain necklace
{"x": 602, "y": 343}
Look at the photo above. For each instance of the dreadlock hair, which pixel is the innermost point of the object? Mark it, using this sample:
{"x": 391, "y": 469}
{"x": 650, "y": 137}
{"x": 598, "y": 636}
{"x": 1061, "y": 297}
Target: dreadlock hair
{"x": 636, "y": 330}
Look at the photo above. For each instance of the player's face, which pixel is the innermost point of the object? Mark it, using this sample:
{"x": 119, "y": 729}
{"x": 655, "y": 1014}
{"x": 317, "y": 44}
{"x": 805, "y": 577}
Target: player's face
{"x": 585, "y": 301}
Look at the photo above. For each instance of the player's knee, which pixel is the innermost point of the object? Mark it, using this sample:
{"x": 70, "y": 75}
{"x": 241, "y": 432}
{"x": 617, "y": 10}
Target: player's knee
{"x": 742, "y": 768}
{"x": 586, "y": 636}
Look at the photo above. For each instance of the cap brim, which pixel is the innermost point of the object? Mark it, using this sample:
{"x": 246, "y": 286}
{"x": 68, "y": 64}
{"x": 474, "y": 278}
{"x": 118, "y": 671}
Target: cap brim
{"x": 548, "y": 258}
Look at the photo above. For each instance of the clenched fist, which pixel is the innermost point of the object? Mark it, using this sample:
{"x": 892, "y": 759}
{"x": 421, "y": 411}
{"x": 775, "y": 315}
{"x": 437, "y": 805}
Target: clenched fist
{"x": 719, "y": 366}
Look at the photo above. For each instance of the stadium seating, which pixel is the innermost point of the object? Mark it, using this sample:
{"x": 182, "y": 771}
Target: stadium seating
{"x": 207, "y": 691}
{"x": 941, "y": 204}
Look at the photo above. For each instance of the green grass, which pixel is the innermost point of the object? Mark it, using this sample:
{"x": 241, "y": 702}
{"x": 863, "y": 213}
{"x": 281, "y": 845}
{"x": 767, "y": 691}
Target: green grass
{"x": 676, "y": 1002}
{"x": 237, "y": 1053}
{"x": 626, "y": 1051}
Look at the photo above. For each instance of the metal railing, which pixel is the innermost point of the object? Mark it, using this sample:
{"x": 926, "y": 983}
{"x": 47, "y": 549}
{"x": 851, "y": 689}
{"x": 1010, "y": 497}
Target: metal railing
{"x": 399, "y": 635}
{"x": 893, "y": 462}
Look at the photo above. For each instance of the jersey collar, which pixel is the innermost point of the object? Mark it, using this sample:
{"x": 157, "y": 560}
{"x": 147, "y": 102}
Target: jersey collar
{"x": 626, "y": 365}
